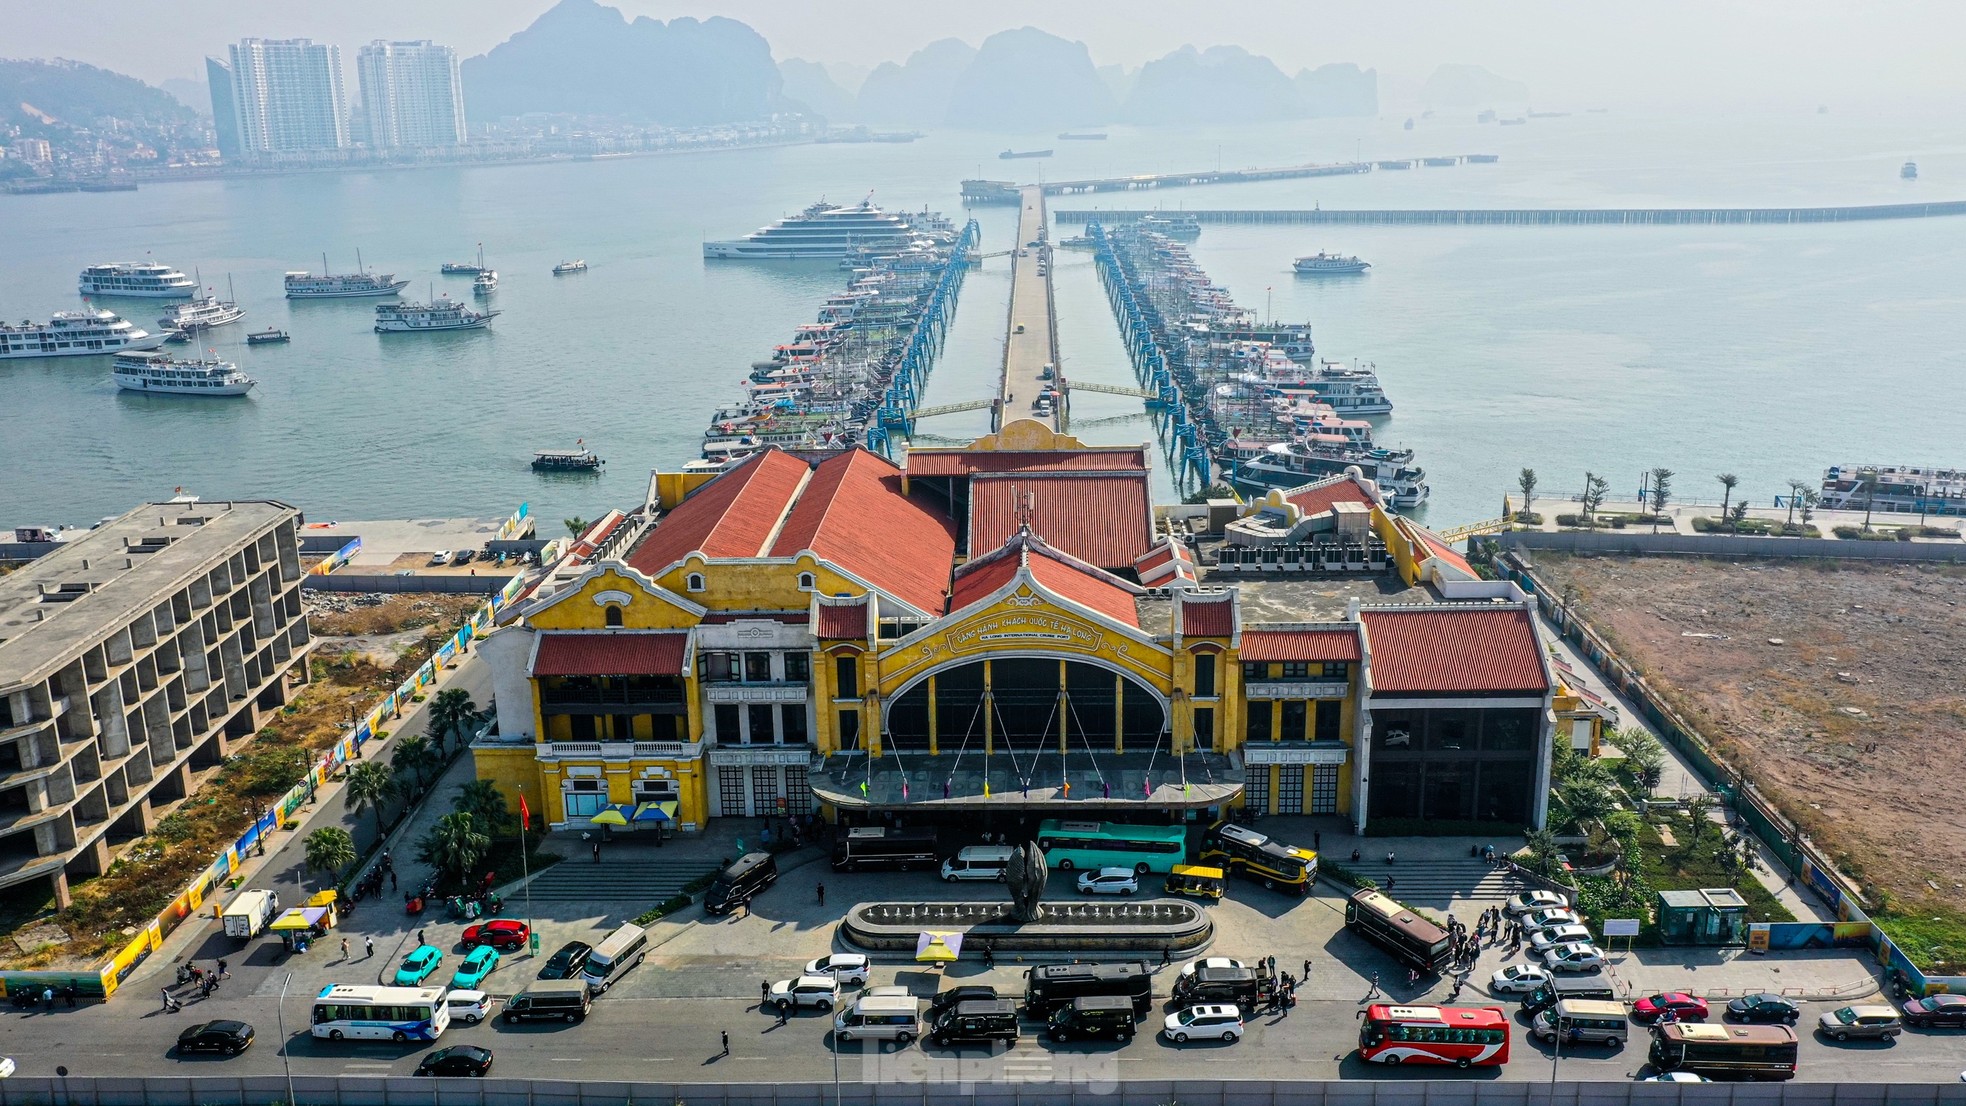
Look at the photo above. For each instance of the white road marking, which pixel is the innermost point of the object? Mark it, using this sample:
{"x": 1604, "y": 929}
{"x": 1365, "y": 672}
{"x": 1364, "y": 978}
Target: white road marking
{"x": 567, "y": 1059}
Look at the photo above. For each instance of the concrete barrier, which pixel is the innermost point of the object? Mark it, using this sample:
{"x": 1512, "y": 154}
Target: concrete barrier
{"x": 362, "y": 582}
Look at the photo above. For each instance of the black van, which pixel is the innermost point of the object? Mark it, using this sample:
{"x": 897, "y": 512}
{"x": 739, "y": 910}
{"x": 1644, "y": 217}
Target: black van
{"x": 738, "y": 881}
{"x": 1050, "y": 986}
{"x": 559, "y": 1000}
{"x": 1563, "y": 987}
{"x": 1108, "y": 1016}
{"x": 1243, "y": 987}
{"x": 976, "y": 1020}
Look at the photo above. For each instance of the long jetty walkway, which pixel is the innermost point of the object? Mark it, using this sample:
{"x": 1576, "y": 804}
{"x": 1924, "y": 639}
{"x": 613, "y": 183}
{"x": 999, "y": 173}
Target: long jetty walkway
{"x": 1004, "y": 192}
{"x": 1591, "y": 216}
{"x": 1031, "y": 338}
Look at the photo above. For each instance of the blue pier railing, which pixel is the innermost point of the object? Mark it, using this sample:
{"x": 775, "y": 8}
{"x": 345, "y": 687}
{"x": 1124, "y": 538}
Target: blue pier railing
{"x": 1159, "y": 362}
{"x": 917, "y": 358}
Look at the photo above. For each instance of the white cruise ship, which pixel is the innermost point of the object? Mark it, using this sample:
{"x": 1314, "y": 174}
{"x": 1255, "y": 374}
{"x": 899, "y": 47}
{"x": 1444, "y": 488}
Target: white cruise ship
{"x": 146, "y": 281}
{"x": 201, "y": 314}
{"x": 307, "y": 286}
{"x": 823, "y": 232}
{"x": 76, "y": 334}
{"x": 160, "y": 373}
{"x": 444, "y": 314}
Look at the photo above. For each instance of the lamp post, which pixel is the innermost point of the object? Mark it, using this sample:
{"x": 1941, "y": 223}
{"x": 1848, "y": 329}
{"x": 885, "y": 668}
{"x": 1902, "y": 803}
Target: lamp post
{"x": 286, "y": 1058}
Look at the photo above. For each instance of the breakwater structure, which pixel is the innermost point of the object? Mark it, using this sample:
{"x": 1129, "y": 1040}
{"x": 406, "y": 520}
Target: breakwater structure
{"x": 1005, "y": 192}
{"x": 1527, "y": 217}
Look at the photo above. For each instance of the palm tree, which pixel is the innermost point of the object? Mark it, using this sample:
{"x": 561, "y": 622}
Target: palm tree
{"x": 454, "y": 845}
{"x": 370, "y": 785}
{"x": 1542, "y": 850}
{"x": 1867, "y": 480}
{"x": 1796, "y": 490}
{"x": 1661, "y": 494}
{"x": 485, "y": 803}
{"x": 1729, "y": 481}
{"x": 575, "y": 525}
{"x": 413, "y": 755}
{"x": 1527, "y": 482}
{"x": 329, "y": 849}
{"x": 453, "y": 710}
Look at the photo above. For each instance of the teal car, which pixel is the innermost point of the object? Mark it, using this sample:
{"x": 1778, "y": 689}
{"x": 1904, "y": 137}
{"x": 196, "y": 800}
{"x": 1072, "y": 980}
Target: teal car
{"x": 418, "y": 965}
{"x": 475, "y": 968}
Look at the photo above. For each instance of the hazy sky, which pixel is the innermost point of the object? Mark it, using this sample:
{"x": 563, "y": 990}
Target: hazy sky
{"x": 1722, "y": 54}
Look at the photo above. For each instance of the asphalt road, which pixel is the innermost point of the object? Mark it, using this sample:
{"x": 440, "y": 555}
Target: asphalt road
{"x": 676, "y": 1040}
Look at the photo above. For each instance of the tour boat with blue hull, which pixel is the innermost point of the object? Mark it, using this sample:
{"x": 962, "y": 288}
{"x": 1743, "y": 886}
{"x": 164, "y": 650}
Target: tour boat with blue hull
{"x": 1329, "y": 264}
{"x": 76, "y": 334}
{"x": 444, "y": 314}
{"x": 145, "y": 281}
{"x": 362, "y": 282}
{"x": 162, "y": 374}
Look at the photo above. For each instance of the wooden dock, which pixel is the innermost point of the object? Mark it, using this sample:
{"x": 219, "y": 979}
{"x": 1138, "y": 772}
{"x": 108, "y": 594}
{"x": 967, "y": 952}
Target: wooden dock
{"x": 1525, "y": 217}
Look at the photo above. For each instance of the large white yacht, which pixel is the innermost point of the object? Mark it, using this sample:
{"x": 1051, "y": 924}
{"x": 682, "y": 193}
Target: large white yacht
{"x": 307, "y": 286}
{"x": 76, "y": 334}
{"x": 147, "y": 281}
{"x": 443, "y": 314}
{"x": 161, "y": 373}
{"x": 822, "y": 232}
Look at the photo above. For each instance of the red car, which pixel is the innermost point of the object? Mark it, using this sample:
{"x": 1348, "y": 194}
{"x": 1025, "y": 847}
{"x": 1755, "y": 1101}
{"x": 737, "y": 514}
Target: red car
{"x": 1684, "y": 1007}
{"x": 503, "y": 934}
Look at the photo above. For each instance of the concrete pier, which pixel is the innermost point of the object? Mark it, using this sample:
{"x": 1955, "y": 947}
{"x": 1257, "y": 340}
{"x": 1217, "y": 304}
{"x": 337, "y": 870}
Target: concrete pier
{"x": 1031, "y": 338}
{"x": 1574, "y": 216}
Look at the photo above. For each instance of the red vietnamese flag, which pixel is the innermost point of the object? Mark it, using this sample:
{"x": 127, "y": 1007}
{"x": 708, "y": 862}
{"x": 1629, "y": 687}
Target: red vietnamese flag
{"x": 525, "y": 814}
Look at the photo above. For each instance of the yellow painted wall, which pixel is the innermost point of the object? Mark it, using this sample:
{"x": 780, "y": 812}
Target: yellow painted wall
{"x": 771, "y": 586}
{"x": 514, "y": 771}
{"x": 1034, "y": 624}
{"x": 645, "y": 610}
{"x": 671, "y": 487}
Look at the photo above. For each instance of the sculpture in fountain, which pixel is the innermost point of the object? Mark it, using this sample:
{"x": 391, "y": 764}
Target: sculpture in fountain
{"x": 1025, "y": 876}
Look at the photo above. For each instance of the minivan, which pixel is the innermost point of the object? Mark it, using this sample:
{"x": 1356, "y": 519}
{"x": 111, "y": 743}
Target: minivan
{"x": 738, "y": 881}
{"x": 1562, "y": 987}
{"x": 1049, "y": 986}
{"x": 623, "y": 949}
{"x": 879, "y": 1018}
{"x": 1583, "y": 1021}
{"x": 977, "y": 1020}
{"x": 977, "y": 862}
{"x": 1235, "y": 986}
{"x": 560, "y": 1000}
{"x": 1108, "y": 1016}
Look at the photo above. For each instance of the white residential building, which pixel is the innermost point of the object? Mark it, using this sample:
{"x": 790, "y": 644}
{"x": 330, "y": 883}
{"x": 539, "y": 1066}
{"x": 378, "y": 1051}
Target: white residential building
{"x": 412, "y": 94}
{"x": 288, "y": 94}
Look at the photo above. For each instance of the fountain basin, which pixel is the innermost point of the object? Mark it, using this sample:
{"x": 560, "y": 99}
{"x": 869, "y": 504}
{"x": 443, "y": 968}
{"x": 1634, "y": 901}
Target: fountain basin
{"x": 1152, "y": 926}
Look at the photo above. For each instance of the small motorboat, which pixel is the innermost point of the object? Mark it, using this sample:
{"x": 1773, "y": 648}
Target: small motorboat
{"x": 565, "y": 267}
{"x": 263, "y": 337}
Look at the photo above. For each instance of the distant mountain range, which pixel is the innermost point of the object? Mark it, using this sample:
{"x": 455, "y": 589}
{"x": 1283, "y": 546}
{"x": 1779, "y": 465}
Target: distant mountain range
{"x": 37, "y": 94}
{"x": 1228, "y": 82}
{"x": 581, "y": 58}
{"x": 1471, "y": 86}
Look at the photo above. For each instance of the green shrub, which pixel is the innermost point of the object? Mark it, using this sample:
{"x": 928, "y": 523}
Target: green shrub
{"x": 668, "y": 906}
{"x": 700, "y": 883}
{"x": 1938, "y": 532}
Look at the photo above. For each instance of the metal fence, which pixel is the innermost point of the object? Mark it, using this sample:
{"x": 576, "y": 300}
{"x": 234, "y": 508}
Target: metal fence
{"x": 1730, "y": 545}
{"x": 1401, "y": 1091}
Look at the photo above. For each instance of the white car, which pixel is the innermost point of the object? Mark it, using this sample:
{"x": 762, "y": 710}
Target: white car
{"x": 1517, "y": 979}
{"x": 1193, "y": 966}
{"x": 469, "y": 1007}
{"x": 1109, "y": 881}
{"x": 1574, "y": 957}
{"x": 441, "y": 557}
{"x": 1224, "y": 1023}
{"x": 821, "y": 992}
{"x": 1544, "y": 919}
{"x": 1531, "y": 901}
{"x": 6, "y": 1066}
{"x": 1680, "y": 1077}
{"x": 1543, "y": 940}
{"x": 846, "y": 967}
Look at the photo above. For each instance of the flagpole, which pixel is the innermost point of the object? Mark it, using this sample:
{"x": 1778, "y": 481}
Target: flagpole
{"x": 525, "y": 865}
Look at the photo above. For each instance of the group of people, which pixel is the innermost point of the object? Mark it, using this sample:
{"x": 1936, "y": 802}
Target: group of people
{"x": 205, "y": 980}
{"x": 27, "y": 997}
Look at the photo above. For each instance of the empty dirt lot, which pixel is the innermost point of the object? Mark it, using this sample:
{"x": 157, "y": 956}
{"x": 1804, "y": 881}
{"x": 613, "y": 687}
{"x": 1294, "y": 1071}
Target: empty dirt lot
{"x": 1853, "y": 723}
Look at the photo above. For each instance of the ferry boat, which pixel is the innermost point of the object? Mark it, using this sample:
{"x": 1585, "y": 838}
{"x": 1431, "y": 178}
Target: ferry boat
{"x": 76, "y": 334}
{"x": 1908, "y": 171}
{"x": 460, "y": 268}
{"x": 265, "y": 337}
{"x": 565, "y": 267}
{"x": 307, "y": 286}
{"x": 822, "y": 232}
{"x": 442, "y": 314}
{"x": 1895, "y": 489}
{"x": 1329, "y": 264}
{"x": 1174, "y": 226}
{"x": 162, "y": 374}
{"x": 202, "y": 313}
{"x": 581, "y": 459}
{"x": 146, "y": 281}
{"x": 1008, "y": 155}
{"x": 485, "y": 283}
{"x": 1077, "y": 242}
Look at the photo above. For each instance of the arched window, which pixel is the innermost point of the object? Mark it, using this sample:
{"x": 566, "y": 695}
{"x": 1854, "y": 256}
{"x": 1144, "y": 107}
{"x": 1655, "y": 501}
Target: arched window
{"x": 693, "y": 582}
{"x": 805, "y": 581}
{"x": 614, "y": 614}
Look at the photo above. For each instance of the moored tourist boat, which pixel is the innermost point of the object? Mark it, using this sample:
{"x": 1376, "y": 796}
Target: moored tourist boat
{"x": 84, "y": 333}
{"x": 580, "y": 459}
{"x": 1329, "y": 264}
{"x": 144, "y": 281}
{"x": 565, "y": 267}
{"x": 442, "y": 314}
{"x": 162, "y": 374}
{"x": 308, "y": 286}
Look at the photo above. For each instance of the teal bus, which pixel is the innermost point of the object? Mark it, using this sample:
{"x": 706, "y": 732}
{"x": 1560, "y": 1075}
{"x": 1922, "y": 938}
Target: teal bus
{"x": 1091, "y": 845}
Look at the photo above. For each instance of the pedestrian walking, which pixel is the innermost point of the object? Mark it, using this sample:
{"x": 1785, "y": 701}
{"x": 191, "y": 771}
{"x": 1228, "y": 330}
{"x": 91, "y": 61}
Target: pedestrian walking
{"x": 1273, "y": 965}
{"x": 419, "y": 938}
{"x": 1389, "y": 885}
{"x": 222, "y": 973}
{"x": 392, "y": 879}
{"x": 344, "y": 948}
{"x": 48, "y": 997}
{"x": 68, "y": 993}
{"x": 1375, "y": 987}
{"x": 740, "y": 846}
{"x": 725, "y": 1034}
{"x": 597, "y": 852}
{"x": 1412, "y": 977}
{"x": 1317, "y": 840}
{"x": 820, "y": 891}
{"x": 171, "y": 1005}
{"x": 1307, "y": 968}
{"x": 764, "y": 992}
{"x": 368, "y": 947}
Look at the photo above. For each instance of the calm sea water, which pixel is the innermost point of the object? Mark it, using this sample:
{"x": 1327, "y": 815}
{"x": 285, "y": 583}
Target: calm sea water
{"x": 1768, "y": 352}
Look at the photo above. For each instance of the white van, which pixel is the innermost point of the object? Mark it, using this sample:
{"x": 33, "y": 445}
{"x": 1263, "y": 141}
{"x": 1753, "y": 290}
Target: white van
{"x": 883, "y": 1017}
{"x": 623, "y": 949}
{"x": 977, "y": 862}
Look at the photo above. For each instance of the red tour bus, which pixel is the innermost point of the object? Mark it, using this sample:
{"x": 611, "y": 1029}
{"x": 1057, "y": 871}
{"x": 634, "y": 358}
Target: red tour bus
{"x": 1463, "y": 1036}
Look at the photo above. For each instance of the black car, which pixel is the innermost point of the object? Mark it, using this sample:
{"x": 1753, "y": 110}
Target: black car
{"x": 947, "y": 1000}
{"x": 457, "y": 1060}
{"x": 227, "y": 1038}
{"x": 465, "y": 556}
{"x": 1937, "y": 1010}
{"x": 1763, "y": 1007}
{"x": 567, "y": 962}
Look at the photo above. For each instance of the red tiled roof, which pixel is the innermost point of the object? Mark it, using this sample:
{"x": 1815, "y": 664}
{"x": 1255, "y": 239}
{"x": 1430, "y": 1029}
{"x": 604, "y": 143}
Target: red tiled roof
{"x": 969, "y": 462}
{"x": 1105, "y": 520}
{"x": 1440, "y": 548}
{"x": 980, "y": 578}
{"x": 1057, "y": 572}
{"x": 1215, "y": 618}
{"x": 842, "y": 620}
{"x": 611, "y": 653}
{"x": 1096, "y": 591}
{"x": 730, "y": 516}
{"x": 1315, "y": 499}
{"x": 1454, "y": 649}
{"x": 853, "y": 514}
{"x": 1155, "y": 557}
{"x": 1299, "y": 645}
